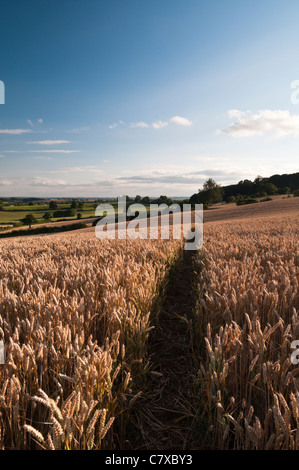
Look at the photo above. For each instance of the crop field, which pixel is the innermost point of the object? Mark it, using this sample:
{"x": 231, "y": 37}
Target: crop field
{"x": 7, "y": 217}
{"x": 134, "y": 345}
{"x": 247, "y": 316}
{"x": 149, "y": 220}
{"x": 75, "y": 319}
{"x": 15, "y": 214}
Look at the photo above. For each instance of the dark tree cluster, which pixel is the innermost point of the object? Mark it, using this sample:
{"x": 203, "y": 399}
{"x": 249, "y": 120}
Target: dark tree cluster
{"x": 246, "y": 190}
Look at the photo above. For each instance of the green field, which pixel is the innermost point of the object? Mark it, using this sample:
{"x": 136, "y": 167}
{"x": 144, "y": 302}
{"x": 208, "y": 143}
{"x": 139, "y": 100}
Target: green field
{"x": 14, "y": 214}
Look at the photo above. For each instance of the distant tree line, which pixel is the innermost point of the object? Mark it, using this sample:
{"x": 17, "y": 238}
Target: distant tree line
{"x": 246, "y": 190}
{"x": 276, "y": 184}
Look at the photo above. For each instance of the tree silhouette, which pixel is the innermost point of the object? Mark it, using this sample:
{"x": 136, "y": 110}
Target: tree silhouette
{"x": 29, "y": 220}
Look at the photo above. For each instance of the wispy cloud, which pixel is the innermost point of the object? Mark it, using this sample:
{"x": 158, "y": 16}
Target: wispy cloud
{"x": 50, "y": 142}
{"x": 159, "y": 124}
{"x": 38, "y": 121}
{"x": 93, "y": 181}
{"x": 42, "y": 151}
{"x": 116, "y": 124}
{"x": 141, "y": 124}
{"x": 41, "y": 158}
{"x": 181, "y": 121}
{"x": 2, "y": 156}
{"x": 77, "y": 169}
{"x": 276, "y": 122}
{"x": 7, "y": 182}
{"x": 178, "y": 120}
{"x": 173, "y": 178}
{"x": 54, "y": 151}
{"x": 15, "y": 131}
{"x": 39, "y": 181}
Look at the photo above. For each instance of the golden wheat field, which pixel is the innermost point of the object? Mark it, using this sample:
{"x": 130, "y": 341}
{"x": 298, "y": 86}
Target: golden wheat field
{"x": 247, "y": 317}
{"x": 74, "y": 317}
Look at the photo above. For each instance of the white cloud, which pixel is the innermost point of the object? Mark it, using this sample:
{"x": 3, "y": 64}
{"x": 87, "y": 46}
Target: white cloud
{"x": 178, "y": 120}
{"x": 181, "y": 121}
{"x": 39, "y": 181}
{"x": 235, "y": 113}
{"x": 50, "y": 142}
{"x": 173, "y": 180}
{"x": 14, "y": 131}
{"x": 277, "y": 122}
{"x": 116, "y": 124}
{"x": 141, "y": 124}
{"x": 2, "y": 156}
{"x": 7, "y": 182}
{"x": 159, "y": 124}
{"x": 54, "y": 151}
{"x": 77, "y": 169}
{"x": 31, "y": 123}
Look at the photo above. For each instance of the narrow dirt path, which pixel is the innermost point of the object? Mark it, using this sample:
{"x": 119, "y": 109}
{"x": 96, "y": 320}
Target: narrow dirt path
{"x": 164, "y": 417}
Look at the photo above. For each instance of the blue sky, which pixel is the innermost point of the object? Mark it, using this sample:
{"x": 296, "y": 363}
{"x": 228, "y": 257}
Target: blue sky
{"x": 111, "y": 97}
